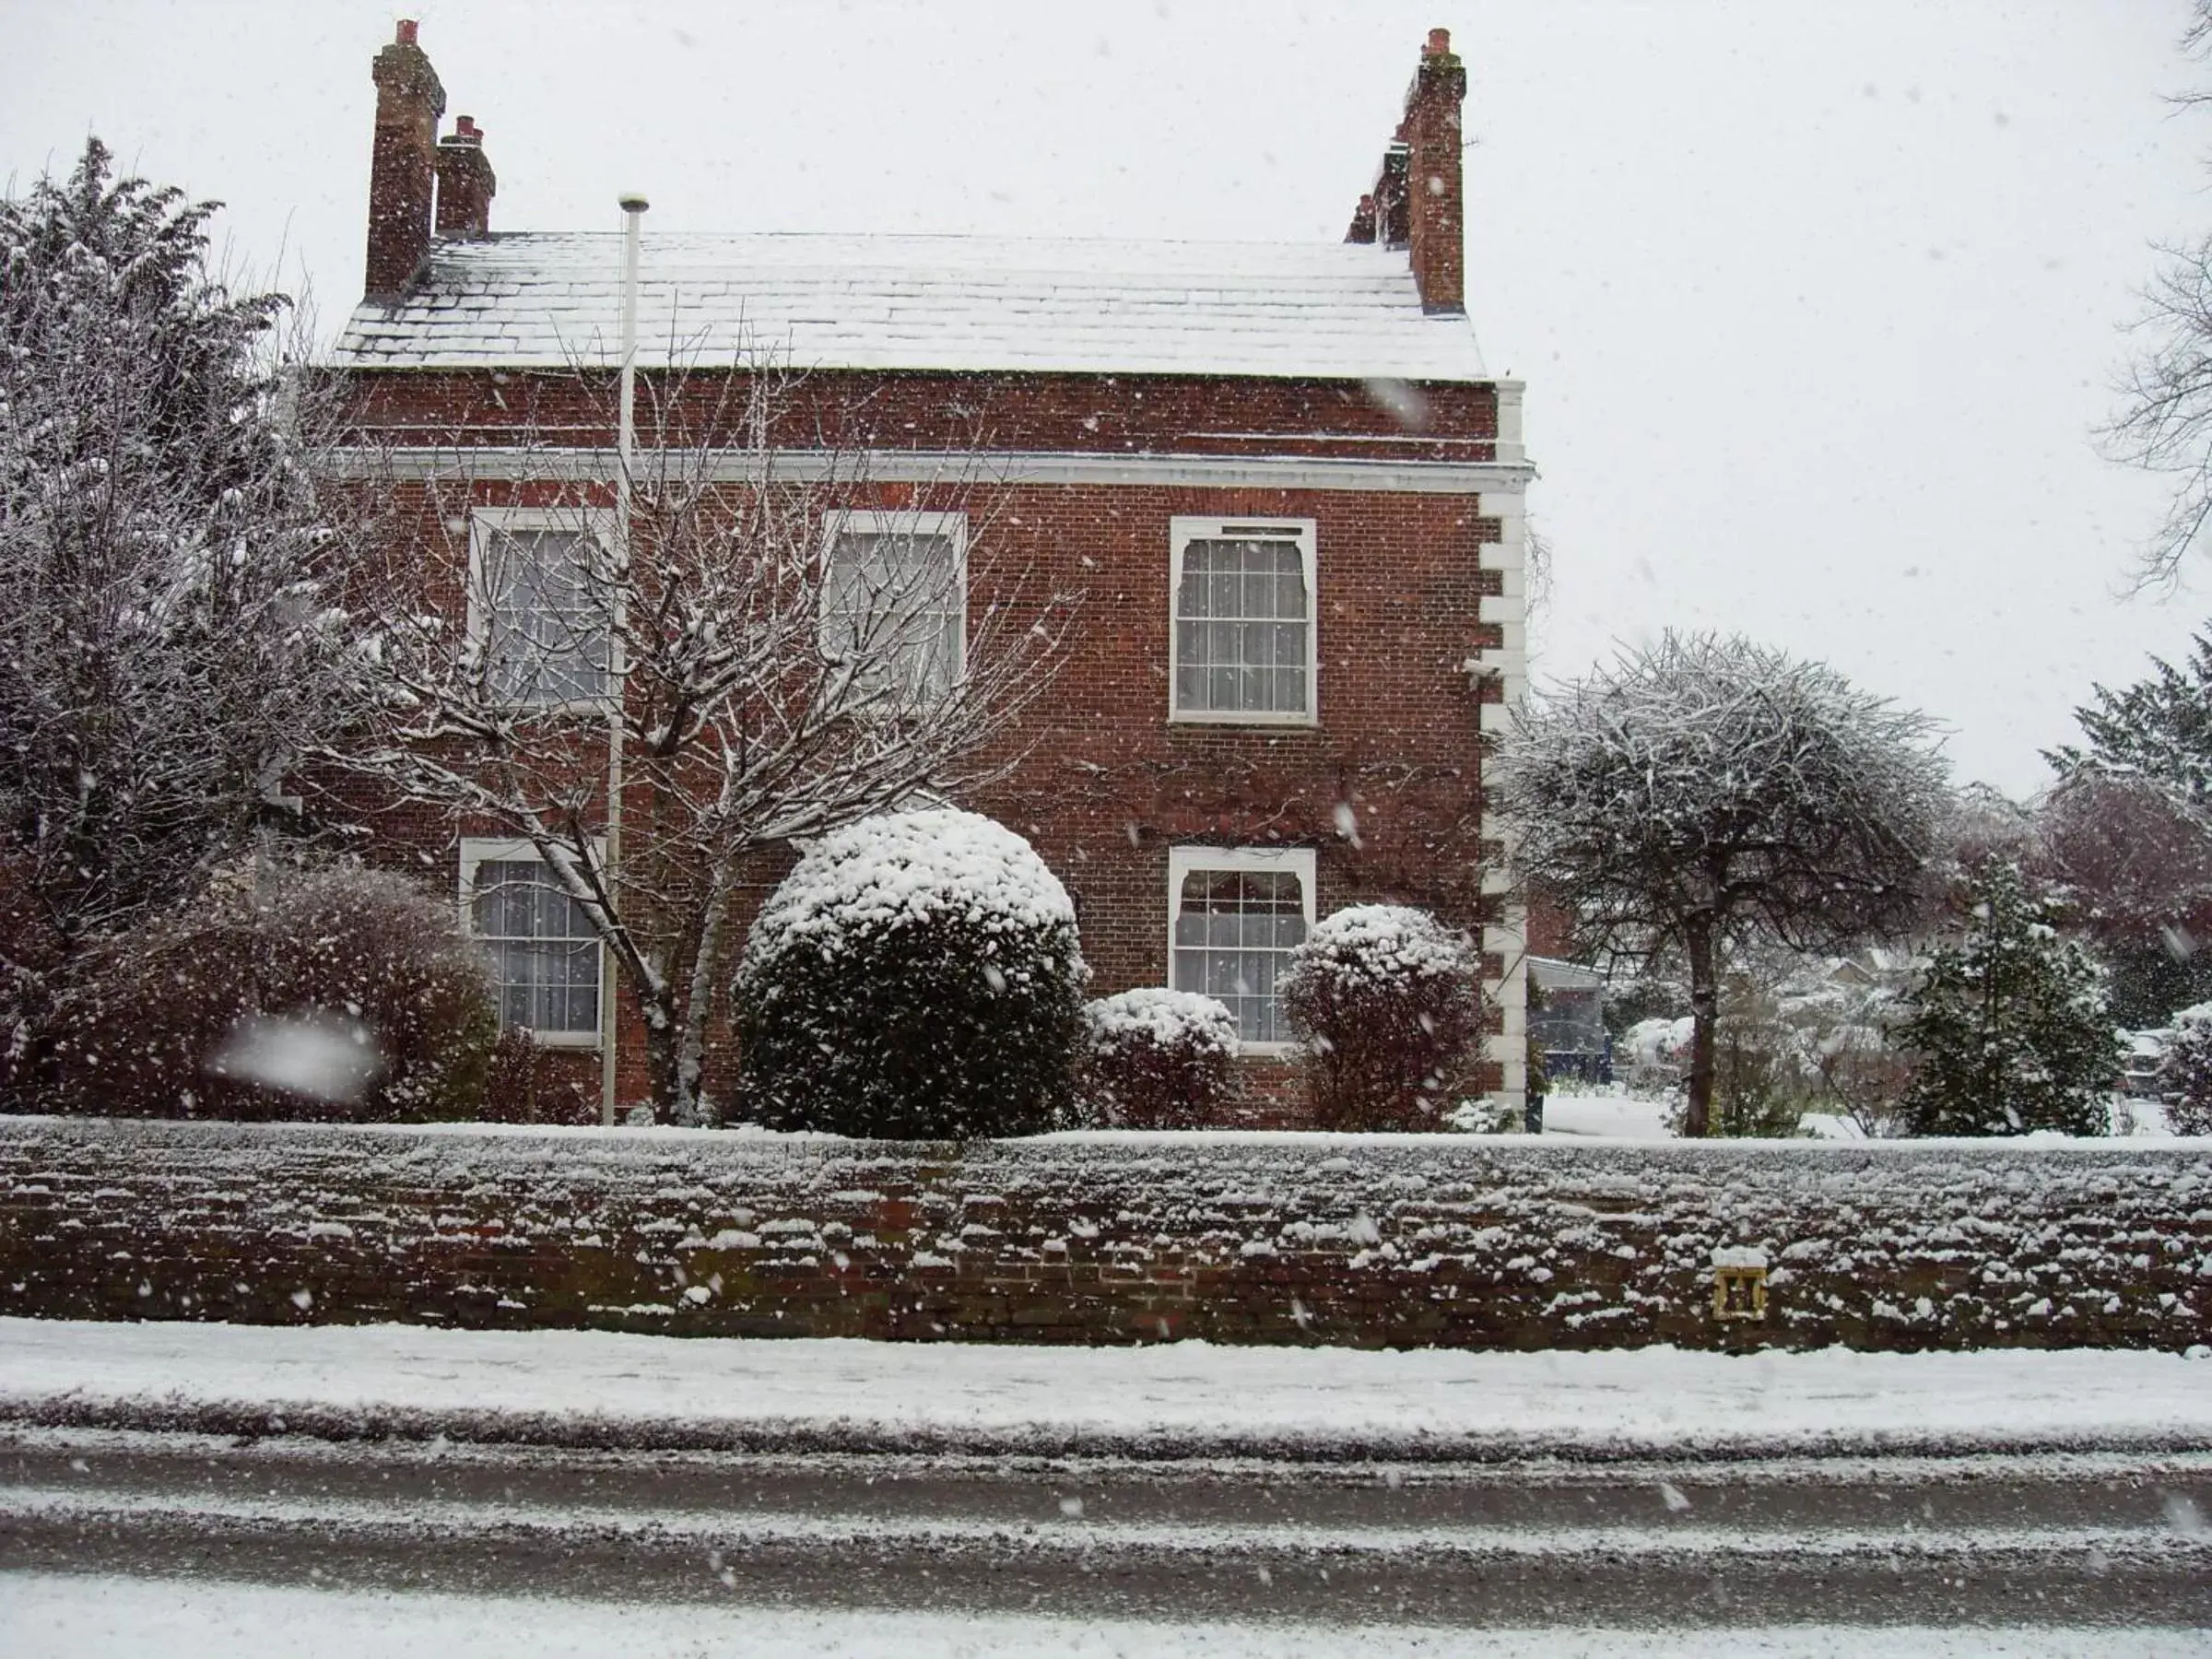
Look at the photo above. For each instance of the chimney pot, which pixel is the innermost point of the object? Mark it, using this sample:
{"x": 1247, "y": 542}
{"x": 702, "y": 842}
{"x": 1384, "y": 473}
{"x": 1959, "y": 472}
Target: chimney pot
{"x": 465, "y": 182}
{"x": 402, "y": 165}
{"x": 1418, "y": 203}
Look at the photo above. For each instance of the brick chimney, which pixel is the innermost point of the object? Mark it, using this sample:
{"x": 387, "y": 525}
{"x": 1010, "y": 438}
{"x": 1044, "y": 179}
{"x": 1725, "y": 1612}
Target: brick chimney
{"x": 401, "y": 164}
{"x": 1417, "y": 203}
{"x": 465, "y": 182}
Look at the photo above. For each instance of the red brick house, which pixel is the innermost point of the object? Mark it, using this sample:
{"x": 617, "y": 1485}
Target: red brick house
{"x": 1288, "y": 488}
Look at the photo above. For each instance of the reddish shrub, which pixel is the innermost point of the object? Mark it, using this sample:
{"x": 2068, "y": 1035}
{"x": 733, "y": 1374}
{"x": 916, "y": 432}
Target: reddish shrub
{"x": 1157, "y": 1059}
{"x": 335, "y": 993}
{"x": 524, "y": 1086}
{"x": 1386, "y": 1003}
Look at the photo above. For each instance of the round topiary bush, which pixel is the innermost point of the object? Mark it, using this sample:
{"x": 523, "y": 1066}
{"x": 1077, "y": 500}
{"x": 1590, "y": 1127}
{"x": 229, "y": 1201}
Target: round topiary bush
{"x": 915, "y": 977}
{"x": 2187, "y": 1073}
{"x": 336, "y": 994}
{"x": 1386, "y": 1003}
{"x": 1158, "y": 1059}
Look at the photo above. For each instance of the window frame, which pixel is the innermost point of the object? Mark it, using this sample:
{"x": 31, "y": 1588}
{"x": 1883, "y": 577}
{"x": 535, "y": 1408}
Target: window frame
{"x": 485, "y": 521}
{"x": 478, "y": 850}
{"x": 1182, "y": 532}
{"x": 1186, "y": 861}
{"x": 919, "y": 524}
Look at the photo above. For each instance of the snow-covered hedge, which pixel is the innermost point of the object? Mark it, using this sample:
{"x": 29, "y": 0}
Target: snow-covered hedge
{"x": 341, "y": 993}
{"x": 1471, "y": 1242}
{"x": 1158, "y": 1059}
{"x": 916, "y": 975}
{"x": 1386, "y": 1003}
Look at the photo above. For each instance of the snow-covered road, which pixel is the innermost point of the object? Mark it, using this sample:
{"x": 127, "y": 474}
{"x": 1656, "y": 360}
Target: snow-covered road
{"x": 688, "y": 1494}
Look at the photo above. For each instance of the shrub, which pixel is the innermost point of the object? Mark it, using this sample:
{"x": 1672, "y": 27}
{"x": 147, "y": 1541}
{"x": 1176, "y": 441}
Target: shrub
{"x": 2188, "y": 1072}
{"x": 915, "y": 977}
{"x": 334, "y": 993}
{"x": 525, "y": 1085}
{"x": 2009, "y": 1022}
{"x": 1158, "y": 1059}
{"x": 1386, "y": 1003}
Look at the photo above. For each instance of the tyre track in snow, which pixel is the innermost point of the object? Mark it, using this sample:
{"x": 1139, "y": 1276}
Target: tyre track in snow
{"x": 2093, "y": 1539}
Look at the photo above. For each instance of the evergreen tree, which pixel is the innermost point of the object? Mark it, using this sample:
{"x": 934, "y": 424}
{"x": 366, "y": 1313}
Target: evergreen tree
{"x": 2009, "y": 1023}
{"x": 169, "y": 649}
{"x": 2187, "y": 1076}
{"x": 2159, "y": 728}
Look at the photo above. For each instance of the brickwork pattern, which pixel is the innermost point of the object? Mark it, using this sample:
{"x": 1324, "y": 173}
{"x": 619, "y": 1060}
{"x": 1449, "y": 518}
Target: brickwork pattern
{"x": 1368, "y": 1241}
{"x": 1385, "y": 786}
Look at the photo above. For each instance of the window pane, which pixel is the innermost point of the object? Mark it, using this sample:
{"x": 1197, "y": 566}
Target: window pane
{"x": 544, "y": 954}
{"x": 892, "y": 611}
{"x": 1234, "y": 930}
{"x": 546, "y": 633}
{"x": 1189, "y": 599}
{"x": 1240, "y": 613}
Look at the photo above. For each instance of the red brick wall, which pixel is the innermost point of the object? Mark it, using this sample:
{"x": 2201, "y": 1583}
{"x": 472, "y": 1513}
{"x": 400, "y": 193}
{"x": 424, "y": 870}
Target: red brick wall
{"x": 1102, "y": 782}
{"x": 981, "y": 413}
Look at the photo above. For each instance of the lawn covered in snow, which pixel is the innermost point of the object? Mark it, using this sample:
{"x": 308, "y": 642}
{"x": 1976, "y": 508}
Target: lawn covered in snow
{"x": 1612, "y": 1116}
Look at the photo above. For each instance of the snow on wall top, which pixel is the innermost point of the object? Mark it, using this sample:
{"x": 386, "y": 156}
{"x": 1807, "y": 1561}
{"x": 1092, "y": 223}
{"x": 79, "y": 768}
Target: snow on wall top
{"x": 540, "y": 299}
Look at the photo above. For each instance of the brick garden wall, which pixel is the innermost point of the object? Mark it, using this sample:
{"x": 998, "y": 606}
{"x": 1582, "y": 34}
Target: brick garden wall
{"x": 1387, "y": 1241}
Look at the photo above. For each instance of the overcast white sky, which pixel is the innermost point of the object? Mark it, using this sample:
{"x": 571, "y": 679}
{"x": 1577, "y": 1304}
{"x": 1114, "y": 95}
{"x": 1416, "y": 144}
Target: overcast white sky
{"x": 1818, "y": 304}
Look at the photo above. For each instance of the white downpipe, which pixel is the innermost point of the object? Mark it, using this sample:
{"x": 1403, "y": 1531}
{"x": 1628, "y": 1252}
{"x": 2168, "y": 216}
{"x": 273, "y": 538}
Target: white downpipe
{"x": 633, "y": 214}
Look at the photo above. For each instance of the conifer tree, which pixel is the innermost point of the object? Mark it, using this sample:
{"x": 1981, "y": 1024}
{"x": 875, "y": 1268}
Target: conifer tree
{"x": 170, "y": 645}
{"x": 2009, "y": 1022}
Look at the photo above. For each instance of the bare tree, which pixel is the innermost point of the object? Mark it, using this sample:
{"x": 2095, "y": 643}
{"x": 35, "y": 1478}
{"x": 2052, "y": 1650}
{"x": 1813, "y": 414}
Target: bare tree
{"x": 1705, "y": 791}
{"x": 2164, "y": 423}
{"x": 169, "y": 645}
{"x": 759, "y": 656}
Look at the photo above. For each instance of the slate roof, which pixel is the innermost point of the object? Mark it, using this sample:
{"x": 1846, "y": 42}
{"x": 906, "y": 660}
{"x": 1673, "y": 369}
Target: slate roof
{"x": 535, "y": 299}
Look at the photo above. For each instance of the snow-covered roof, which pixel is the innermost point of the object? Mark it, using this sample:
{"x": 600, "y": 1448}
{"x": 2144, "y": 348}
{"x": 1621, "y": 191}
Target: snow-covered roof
{"x": 1326, "y": 310}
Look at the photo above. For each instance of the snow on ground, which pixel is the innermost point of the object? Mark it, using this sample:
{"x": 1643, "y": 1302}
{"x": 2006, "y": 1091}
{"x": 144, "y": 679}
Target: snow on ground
{"x": 1614, "y": 1116}
{"x": 1609, "y": 1116}
{"x": 561, "y": 1385}
{"x": 45, "y": 1616}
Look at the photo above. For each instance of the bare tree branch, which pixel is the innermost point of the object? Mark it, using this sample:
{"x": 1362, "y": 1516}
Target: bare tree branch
{"x": 771, "y": 675}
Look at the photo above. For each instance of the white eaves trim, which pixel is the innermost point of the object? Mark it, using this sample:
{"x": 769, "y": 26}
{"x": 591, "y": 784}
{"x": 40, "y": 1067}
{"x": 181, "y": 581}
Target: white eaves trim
{"x": 506, "y": 463}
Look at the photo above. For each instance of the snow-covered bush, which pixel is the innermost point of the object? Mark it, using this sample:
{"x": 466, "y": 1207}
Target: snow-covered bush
{"x": 1386, "y": 1003}
{"x": 2188, "y": 1072}
{"x": 332, "y": 993}
{"x": 525, "y": 1084}
{"x": 915, "y": 976}
{"x": 1157, "y": 1059}
{"x": 2009, "y": 1023}
{"x": 1652, "y": 1056}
